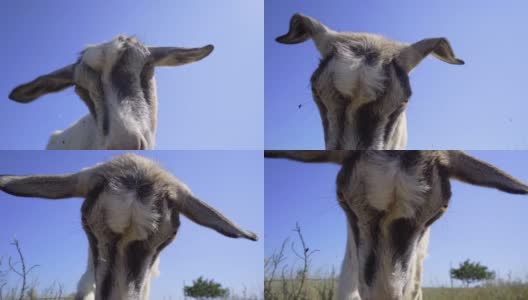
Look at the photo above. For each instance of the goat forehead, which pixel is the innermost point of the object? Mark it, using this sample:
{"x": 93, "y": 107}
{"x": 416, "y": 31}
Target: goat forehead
{"x": 134, "y": 210}
{"x": 386, "y": 46}
{"x": 127, "y": 213}
{"x": 404, "y": 185}
{"x": 132, "y": 163}
{"x": 104, "y": 55}
{"x": 382, "y": 172}
{"x": 362, "y": 71}
{"x": 136, "y": 178}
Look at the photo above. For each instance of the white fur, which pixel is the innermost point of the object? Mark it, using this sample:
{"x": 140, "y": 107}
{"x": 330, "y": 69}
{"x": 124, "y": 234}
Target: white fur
{"x": 82, "y": 134}
{"x": 387, "y": 186}
{"x": 399, "y": 140}
{"x": 94, "y": 57}
{"x": 86, "y": 285}
{"x": 102, "y": 57}
{"x": 127, "y": 215}
{"x": 354, "y": 78}
{"x": 348, "y": 285}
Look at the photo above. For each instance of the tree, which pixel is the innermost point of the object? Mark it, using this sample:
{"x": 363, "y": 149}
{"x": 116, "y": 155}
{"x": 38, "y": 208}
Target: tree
{"x": 469, "y": 272}
{"x": 204, "y": 289}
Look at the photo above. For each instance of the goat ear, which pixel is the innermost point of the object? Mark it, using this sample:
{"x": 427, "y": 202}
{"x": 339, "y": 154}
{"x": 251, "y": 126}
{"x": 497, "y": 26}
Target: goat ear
{"x": 440, "y": 48}
{"x": 471, "y": 170}
{"x": 203, "y": 214}
{"x": 312, "y": 156}
{"x": 172, "y": 56}
{"x": 301, "y": 29}
{"x": 43, "y": 186}
{"x": 49, "y": 83}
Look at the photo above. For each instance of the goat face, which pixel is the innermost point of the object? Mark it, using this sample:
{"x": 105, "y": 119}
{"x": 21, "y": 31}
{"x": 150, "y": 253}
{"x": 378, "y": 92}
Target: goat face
{"x": 116, "y": 82}
{"x": 361, "y": 86}
{"x": 139, "y": 221}
{"x": 390, "y": 199}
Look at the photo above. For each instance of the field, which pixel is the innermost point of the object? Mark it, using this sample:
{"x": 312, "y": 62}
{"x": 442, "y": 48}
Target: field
{"x": 504, "y": 291}
{"x": 324, "y": 289}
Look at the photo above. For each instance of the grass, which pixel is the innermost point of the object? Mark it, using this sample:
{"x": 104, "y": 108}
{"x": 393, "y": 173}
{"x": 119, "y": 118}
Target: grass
{"x": 282, "y": 289}
{"x": 501, "y": 291}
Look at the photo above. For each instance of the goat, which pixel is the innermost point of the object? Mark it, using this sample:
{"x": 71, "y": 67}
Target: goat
{"x": 390, "y": 199}
{"x": 361, "y": 86}
{"x": 130, "y": 214}
{"x": 116, "y": 82}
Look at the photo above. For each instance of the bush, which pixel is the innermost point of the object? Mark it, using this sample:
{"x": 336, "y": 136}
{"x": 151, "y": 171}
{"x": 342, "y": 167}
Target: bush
{"x": 204, "y": 289}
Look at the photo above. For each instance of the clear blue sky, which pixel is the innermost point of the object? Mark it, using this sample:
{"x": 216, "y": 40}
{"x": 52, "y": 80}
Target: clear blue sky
{"x": 481, "y": 223}
{"x": 51, "y": 235}
{"x": 481, "y": 105}
{"x": 216, "y": 103}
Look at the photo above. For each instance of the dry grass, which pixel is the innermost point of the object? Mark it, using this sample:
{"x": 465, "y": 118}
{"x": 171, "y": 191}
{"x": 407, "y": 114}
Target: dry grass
{"x": 283, "y": 282}
{"x": 314, "y": 289}
{"x": 323, "y": 289}
{"x": 494, "y": 291}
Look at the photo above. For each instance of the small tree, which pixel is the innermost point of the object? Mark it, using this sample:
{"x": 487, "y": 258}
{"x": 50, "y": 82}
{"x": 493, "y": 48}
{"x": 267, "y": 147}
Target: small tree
{"x": 470, "y": 272}
{"x": 23, "y": 271}
{"x": 204, "y": 289}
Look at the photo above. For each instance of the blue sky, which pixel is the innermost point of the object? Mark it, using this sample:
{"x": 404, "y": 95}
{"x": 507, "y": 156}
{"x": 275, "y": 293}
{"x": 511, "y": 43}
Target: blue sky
{"x": 50, "y": 232}
{"x": 481, "y": 224}
{"x": 480, "y": 105}
{"x": 216, "y": 103}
